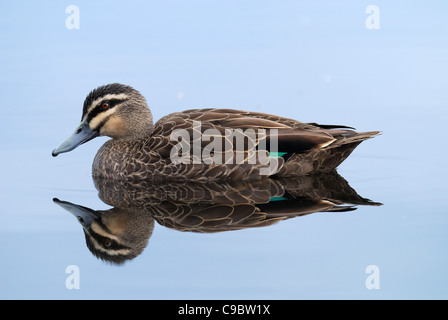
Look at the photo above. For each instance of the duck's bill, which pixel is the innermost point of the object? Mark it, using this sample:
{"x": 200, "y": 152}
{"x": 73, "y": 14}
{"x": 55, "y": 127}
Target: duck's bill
{"x": 84, "y": 215}
{"x": 81, "y": 135}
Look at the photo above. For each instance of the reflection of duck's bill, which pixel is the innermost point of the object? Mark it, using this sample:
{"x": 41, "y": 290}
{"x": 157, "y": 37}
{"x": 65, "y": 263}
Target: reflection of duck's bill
{"x": 84, "y": 215}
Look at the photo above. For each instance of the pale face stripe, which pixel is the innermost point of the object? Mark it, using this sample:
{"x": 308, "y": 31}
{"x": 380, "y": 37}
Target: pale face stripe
{"x": 123, "y": 252}
{"x": 98, "y": 230}
{"x": 95, "y": 122}
{"x": 109, "y": 96}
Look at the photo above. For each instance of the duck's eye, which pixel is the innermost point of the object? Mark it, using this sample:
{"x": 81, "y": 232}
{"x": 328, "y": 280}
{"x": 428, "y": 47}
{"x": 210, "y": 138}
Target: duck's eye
{"x": 105, "y": 106}
{"x": 107, "y": 242}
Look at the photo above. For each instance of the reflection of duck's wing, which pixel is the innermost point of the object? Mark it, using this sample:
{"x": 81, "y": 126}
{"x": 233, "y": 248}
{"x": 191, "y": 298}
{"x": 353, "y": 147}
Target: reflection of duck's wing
{"x": 225, "y": 217}
{"x": 147, "y": 193}
{"x": 214, "y": 207}
{"x": 329, "y": 186}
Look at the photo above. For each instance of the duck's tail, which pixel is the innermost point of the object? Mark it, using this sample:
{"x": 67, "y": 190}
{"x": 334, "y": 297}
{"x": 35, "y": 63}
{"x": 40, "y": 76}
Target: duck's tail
{"x": 346, "y": 137}
{"x": 328, "y": 157}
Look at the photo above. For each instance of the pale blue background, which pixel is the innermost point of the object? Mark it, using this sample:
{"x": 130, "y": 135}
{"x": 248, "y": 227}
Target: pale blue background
{"x": 309, "y": 60}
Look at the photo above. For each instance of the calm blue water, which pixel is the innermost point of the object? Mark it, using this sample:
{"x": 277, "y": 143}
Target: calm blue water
{"x": 315, "y": 62}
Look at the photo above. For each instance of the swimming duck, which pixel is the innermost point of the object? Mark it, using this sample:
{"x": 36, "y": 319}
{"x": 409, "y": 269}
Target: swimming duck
{"x": 203, "y": 144}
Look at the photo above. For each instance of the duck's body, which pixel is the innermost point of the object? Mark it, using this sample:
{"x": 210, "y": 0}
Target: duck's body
{"x": 204, "y": 144}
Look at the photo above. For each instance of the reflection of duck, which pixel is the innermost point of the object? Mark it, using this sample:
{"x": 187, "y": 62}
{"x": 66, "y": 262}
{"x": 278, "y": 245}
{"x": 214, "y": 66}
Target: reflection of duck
{"x": 122, "y": 232}
{"x": 140, "y": 150}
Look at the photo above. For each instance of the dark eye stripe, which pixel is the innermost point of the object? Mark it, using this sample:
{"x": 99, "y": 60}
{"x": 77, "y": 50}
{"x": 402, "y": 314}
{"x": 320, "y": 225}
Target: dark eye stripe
{"x": 114, "y": 245}
{"x": 112, "y": 103}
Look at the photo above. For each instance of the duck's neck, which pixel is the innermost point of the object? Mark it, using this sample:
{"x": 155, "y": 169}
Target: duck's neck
{"x": 139, "y": 129}
{"x": 142, "y": 131}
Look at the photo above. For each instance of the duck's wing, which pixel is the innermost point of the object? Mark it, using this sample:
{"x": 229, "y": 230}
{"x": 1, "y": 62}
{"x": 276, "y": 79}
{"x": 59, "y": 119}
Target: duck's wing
{"x": 237, "y": 119}
{"x": 291, "y": 135}
{"x": 304, "y": 147}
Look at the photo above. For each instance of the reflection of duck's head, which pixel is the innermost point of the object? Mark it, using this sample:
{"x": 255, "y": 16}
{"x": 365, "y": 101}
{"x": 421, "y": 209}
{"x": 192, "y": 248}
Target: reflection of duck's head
{"x": 114, "y": 235}
{"x": 114, "y": 110}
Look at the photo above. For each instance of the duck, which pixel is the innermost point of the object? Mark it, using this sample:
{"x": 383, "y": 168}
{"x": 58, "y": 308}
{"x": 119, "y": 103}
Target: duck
{"x": 122, "y": 233}
{"x": 203, "y": 144}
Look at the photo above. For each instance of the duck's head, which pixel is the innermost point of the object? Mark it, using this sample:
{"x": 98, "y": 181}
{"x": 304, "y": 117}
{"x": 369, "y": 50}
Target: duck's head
{"x": 114, "y": 110}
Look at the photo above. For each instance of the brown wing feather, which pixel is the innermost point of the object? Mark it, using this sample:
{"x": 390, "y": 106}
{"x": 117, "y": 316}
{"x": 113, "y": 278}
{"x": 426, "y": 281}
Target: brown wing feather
{"x": 293, "y": 136}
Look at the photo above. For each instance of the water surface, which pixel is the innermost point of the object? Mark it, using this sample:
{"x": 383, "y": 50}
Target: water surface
{"x": 312, "y": 62}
